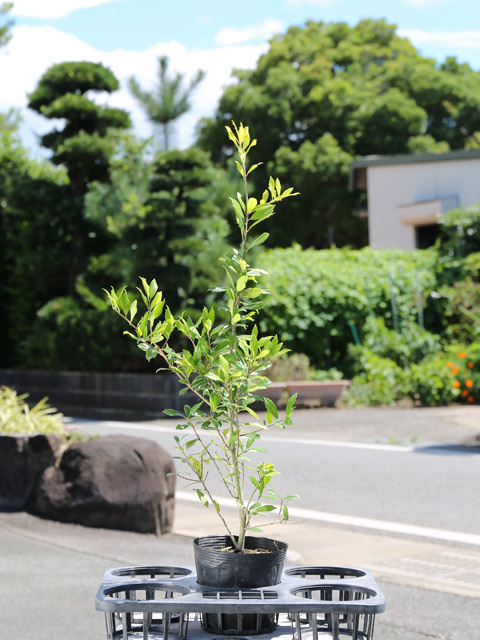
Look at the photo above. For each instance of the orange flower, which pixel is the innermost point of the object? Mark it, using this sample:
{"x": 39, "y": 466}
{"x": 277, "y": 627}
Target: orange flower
{"x": 470, "y": 365}
{"x": 455, "y": 369}
{"x": 456, "y": 384}
{"x": 470, "y": 399}
{"x": 462, "y": 354}
{"x": 449, "y": 365}
{"x": 464, "y": 392}
{"x": 469, "y": 383}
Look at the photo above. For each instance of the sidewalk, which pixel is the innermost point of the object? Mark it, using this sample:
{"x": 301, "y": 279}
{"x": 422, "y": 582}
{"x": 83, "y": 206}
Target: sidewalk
{"x": 50, "y": 572}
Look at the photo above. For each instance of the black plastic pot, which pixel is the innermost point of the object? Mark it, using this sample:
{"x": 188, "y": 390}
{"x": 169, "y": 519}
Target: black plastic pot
{"x": 223, "y": 569}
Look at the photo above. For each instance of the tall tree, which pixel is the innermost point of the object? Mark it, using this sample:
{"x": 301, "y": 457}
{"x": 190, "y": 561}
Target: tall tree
{"x": 168, "y": 100}
{"x": 166, "y": 221}
{"x": 83, "y": 144}
{"x": 326, "y": 93}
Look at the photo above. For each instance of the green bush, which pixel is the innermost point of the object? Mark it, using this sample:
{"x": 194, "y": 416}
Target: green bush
{"x": 321, "y": 299}
{"x": 428, "y": 382}
{"x": 78, "y": 334}
{"x": 410, "y": 345}
{"x": 440, "y": 377}
{"x": 382, "y": 381}
{"x": 460, "y": 232}
{"x": 16, "y": 417}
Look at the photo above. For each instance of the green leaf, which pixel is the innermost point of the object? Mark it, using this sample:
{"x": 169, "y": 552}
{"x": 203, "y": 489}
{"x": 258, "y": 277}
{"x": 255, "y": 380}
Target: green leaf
{"x": 150, "y": 354}
{"x": 173, "y": 413}
{"x": 202, "y": 497}
{"x": 146, "y": 286}
{"x": 271, "y": 407}
{"x": 252, "y": 413}
{"x": 253, "y": 167}
{"x": 153, "y": 288}
{"x": 241, "y": 283}
{"x": 290, "y": 405}
{"x": 273, "y": 494}
{"x": 240, "y": 169}
{"x": 259, "y": 240}
{"x": 255, "y": 529}
{"x": 271, "y": 186}
{"x": 238, "y": 210}
{"x": 263, "y": 211}
{"x": 265, "y": 507}
{"x": 133, "y": 310}
{"x": 286, "y": 515}
{"x": 254, "y": 292}
{"x": 251, "y": 439}
{"x": 124, "y": 303}
{"x": 214, "y": 400}
{"x": 224, "y": 364}
{"x": 252, "y": 203}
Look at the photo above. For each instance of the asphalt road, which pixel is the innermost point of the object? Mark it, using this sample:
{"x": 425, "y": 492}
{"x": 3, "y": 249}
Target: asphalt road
{"x": 419, "y": 482}
{"x": 49, "y": 571}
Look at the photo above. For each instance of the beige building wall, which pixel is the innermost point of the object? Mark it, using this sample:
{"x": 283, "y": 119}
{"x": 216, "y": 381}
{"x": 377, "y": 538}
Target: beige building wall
{"x": 402, "y": 196}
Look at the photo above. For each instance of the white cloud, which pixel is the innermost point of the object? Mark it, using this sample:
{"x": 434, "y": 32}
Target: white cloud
{"x": 51, "y": 9}
{"x": 263, "y": 31}
{"x": 19, "y": 74}
{"x": 448, "y": 39}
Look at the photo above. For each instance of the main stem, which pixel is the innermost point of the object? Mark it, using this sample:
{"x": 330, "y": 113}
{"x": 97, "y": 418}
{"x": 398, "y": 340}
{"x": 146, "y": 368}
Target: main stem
{"x": 237, "y": 464}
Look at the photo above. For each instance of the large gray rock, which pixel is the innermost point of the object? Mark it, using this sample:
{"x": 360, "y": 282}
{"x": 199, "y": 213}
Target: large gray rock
{"x": 22, "y": 460}
{"x": 116, "y": 482}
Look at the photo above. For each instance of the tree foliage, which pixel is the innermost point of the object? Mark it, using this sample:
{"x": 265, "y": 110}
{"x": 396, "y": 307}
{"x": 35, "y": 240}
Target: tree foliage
{"x": 168, "y": 100}
{"x": 83, "y": 144}
{"x": 326, "y": 93}
{"x": 164, "y": 219}
{"x": 321, "y": 300}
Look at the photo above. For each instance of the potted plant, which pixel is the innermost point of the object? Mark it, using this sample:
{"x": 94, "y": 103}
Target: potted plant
{"x": 224, "y": 368}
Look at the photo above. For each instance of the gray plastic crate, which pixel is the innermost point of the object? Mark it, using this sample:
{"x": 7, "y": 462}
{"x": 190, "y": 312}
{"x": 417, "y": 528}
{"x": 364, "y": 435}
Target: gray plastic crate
{"x": 166, "y": 602}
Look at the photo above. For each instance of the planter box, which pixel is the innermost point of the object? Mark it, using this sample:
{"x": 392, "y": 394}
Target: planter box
{"x": 323, "y": 391}
{"x": 274, "y": 391}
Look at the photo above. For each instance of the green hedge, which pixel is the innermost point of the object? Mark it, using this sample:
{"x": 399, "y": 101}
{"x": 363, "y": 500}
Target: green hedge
{"x": 321, "y": 300}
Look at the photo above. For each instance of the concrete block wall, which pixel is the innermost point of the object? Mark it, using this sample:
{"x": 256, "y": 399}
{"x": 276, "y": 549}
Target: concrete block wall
{"x": 100, "y": 394}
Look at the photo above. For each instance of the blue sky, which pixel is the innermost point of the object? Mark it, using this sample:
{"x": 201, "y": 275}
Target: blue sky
{"x": 215, "y": 35}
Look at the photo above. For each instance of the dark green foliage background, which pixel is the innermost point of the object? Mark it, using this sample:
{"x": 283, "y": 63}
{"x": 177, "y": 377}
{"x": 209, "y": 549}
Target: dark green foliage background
{"x": 315, "y": 295}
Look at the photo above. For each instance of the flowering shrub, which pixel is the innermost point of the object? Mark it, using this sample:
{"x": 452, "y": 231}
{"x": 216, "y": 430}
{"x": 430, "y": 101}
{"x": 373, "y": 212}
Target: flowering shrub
{"x": 461, "y": 370}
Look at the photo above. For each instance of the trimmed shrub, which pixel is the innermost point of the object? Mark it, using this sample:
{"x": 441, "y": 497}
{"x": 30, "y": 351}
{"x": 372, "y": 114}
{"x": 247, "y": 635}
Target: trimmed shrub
{"x": 321, "y": 299}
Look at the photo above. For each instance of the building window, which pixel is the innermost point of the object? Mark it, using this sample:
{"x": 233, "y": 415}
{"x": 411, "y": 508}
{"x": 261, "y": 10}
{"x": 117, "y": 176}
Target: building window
{"x": 426, "y": 235}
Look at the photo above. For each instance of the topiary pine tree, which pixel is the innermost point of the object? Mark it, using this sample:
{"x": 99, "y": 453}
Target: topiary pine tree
{"x": 82, "y": 145}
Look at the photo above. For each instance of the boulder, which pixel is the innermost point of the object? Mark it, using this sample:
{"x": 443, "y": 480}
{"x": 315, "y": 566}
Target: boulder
{"x": 116, "y": 482}
{"x": 22, "y": 460}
